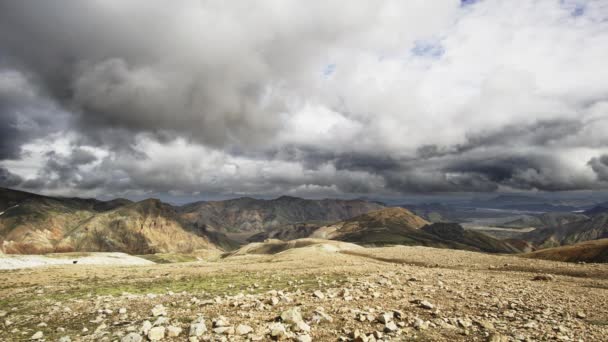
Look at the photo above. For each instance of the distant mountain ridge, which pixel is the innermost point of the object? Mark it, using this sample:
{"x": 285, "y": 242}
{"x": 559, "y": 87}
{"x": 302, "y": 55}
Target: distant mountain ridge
{"x": 592, "y": 228}
{"x": 254, "y": 215}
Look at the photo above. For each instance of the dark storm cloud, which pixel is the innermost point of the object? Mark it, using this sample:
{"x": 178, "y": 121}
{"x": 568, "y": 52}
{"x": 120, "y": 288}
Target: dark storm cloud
{"x": 600, "y": 167}
{"x": 8, "y": 179}
{"x": 536, "y": 134}
{"x": 24, "y": 113}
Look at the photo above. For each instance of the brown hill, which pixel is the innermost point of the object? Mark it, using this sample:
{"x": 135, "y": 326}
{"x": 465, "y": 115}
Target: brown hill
{"x": 145, "y": 227}
{"x": 588, "y": 251}
{"x": 34, "y": 224}
{"x": 399, "y": 226}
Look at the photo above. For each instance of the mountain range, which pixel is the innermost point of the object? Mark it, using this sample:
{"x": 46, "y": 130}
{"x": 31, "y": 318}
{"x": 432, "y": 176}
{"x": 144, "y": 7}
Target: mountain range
{"x": 35, "y": 224}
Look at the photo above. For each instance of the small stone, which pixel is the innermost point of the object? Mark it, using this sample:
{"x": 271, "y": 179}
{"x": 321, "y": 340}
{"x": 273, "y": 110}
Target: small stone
{"x": 426, "y": 305}
{"x": 159, "y": 310}
{"x": 161, "y": 321}
{"x": 277, "y": 330}
{"x": 156, "y": 333}
{"x": 37, "y": 336}
{"x": 64, "y": 339}
{"x": 319, "y": 294}
{"x": 320, "y": 316}
{"x": 301, "y": 326}
{"x": 145, "y": 327}
{"x": 224, "y": 330}
{"x": 581, "y": 314}
{"x": 243, "y": 329}
{"x": 198, "y": 327}
{"x": 173, "y": 331}
{"x": 221, "y": 321}
{"x": 390, "y": 327}
{"x": 122, "y": 311}
{"x": 385, "y": 317}
{"x": 291, "y": 316}
{"x": 304, "y": 338}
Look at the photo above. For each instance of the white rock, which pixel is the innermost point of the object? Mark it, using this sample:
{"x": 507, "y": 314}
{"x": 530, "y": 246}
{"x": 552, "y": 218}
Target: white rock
{"x": 304, "y": 338}
{"x": 173, "y": 331}
{"x": 145, "y": 327}
{"x": 277, "y": 330}
{"x": 221, "y": 322}
{"x": 390, "y": 327}
{"x": 156, "y": 333}
{"x": 426, "y": 305}
{"x": 37, "y": 336}
{"x": 243, "y": 329}
{"x": 159, "y": 310}
{"x": 198, "y": 327}
{"x": 291, "y": 316}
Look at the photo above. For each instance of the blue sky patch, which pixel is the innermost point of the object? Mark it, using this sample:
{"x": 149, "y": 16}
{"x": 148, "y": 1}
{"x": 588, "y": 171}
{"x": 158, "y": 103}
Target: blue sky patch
{"x": 329, "y": 69}
{"x": 464, "y": 3}
{"x": 425, "y": 48}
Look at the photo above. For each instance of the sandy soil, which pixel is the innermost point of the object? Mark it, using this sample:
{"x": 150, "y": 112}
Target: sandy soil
{"x": 472, "y": 297}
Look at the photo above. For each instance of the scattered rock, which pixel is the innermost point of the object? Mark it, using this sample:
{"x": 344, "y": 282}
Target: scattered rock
{"x": 291, "y": 316}
{"x": 304, "y": 338}
{"x": 173, "y": 331}
{"x": 37, "y": 336}
{"x": 156, "y": 333}
{"x": 159, "y": 310}
{"x": 145, "y": 327}
{"x": 426, "y": 305}
{"x": 277, "y": 330}
{"x": 390, "y": 327}
{"x": 243, "y": 329}
{"x": 198, "y": 327}
{"x": 319, "y": 294}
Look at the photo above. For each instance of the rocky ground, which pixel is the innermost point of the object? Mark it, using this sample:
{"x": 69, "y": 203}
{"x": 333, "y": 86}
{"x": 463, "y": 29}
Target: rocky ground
{"x": 311, "y": 294}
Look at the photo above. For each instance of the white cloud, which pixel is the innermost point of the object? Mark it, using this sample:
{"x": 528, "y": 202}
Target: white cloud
{"x": 232, "y": 97}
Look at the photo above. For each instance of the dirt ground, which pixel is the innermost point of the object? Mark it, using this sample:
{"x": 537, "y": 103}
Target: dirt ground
{"x": 427, "y": 294}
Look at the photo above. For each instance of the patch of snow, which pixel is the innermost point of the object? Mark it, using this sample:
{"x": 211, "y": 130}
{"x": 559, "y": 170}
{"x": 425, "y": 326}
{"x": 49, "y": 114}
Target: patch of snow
{"x": 15, "y": 261}
{"x": 2, "y": 212}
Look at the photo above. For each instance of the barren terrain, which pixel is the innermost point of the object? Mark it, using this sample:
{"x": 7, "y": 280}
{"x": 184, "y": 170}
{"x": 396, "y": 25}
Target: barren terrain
{"x": 341, "y": 292}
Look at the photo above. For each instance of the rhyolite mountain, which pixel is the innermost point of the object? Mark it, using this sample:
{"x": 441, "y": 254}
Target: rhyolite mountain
{"x": 399, "y": 226}
{"x": 591, "y": 228}
{"x": 551, "y": 219}
{"x": 32, "y": 224}
{"x": 256, "y": 215}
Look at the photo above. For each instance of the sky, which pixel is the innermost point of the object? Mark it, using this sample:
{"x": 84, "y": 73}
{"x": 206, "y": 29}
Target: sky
{"x": 380, "y": 98}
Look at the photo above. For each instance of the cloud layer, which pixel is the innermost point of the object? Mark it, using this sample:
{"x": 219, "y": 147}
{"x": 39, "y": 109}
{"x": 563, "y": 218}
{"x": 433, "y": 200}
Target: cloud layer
{"x": 316, "y": 99}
